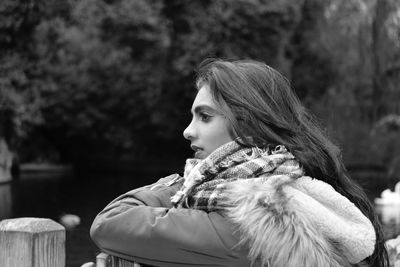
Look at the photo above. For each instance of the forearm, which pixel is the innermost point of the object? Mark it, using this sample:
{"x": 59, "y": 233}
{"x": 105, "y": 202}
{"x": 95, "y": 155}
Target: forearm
{"x": 168, "y": 237}
{"x": 142, "y": 225}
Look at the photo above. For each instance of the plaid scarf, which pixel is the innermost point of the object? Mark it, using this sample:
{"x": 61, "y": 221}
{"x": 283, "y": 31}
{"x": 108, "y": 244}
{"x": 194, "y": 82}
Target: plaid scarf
{"x": 205, "y": 180}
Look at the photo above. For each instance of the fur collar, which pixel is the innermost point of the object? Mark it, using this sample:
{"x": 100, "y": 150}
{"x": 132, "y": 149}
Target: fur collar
{"x": 302, "y": 222}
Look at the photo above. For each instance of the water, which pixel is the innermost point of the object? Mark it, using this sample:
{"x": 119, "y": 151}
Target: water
{"x": 51, "y": 195}
{"x": 390, "y": 219}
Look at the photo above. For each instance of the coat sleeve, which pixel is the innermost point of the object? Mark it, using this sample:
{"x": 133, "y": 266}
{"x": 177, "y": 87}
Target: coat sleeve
{"x": 142, "y": 225}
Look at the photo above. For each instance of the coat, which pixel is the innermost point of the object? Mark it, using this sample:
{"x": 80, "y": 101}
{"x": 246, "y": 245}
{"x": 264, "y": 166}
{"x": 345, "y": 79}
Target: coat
{"x": 305, "y": 223}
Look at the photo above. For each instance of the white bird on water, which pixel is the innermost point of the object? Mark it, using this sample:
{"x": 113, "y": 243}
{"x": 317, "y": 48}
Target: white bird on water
{"x": 70, "y": 221}
{"x": 389, "y": 197}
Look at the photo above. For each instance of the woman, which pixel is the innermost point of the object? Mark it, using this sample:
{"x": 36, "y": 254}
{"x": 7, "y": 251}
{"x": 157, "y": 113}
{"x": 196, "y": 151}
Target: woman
{"x": 266, "y": 187}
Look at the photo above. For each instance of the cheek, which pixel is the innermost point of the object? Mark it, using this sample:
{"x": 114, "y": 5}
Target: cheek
{"x": 220, "y": 136}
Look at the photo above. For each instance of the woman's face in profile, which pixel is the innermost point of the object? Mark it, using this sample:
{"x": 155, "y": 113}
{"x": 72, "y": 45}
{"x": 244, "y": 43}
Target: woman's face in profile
{"x": 208, "y": 129}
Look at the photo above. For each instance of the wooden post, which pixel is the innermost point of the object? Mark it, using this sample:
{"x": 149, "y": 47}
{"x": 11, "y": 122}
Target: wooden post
{"x": 32, "y": 242}
{"x": 105, "y": 260}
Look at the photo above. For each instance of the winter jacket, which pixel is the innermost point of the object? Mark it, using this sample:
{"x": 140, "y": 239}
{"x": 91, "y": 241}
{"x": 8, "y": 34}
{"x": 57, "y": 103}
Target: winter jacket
{"x": 310, "y": 223}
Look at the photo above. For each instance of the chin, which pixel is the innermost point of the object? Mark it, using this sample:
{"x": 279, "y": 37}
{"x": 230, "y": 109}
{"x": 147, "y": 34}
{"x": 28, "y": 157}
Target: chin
{"x": 200, "y": 155}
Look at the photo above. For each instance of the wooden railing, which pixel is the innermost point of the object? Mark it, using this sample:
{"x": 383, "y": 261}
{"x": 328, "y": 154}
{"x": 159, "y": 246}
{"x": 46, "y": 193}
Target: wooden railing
{"x": 105, "y": 260}
{"x": 37, "y": 242}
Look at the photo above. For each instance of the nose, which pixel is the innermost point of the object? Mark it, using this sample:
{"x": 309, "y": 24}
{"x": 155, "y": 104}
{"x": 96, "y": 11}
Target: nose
{"x": 189, "y": 132}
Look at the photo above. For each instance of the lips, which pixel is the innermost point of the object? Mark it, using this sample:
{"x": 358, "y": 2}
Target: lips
{"x": 197, "y": 151}
{"x": 195, "y": 148}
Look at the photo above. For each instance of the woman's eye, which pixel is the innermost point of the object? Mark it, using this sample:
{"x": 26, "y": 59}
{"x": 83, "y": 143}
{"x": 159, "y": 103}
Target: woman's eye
{"x": 204, "y": 117}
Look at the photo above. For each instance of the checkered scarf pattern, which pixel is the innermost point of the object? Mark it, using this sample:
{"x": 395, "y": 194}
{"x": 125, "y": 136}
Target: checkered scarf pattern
{"x": 205, "y": 180}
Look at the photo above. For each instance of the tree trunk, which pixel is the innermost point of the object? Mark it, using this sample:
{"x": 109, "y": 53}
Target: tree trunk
{"x": 386, "y": 53}
{"x": 7, "y": 136}
{"x": 6, "y": 157}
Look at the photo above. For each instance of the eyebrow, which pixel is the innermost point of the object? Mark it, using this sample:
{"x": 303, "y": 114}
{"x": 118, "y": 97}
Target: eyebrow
{"x": 200, "y": 108}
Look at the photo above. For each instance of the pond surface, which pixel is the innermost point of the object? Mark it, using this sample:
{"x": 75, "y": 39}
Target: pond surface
{"x": 52, "y": 195}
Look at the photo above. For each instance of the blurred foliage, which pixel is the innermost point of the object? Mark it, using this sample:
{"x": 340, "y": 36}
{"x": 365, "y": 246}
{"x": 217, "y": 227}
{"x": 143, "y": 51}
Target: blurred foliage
{"x": 115, "y": 78}
{"x": 386, "y": 132}
{"x": 97, "y": 72}
{"x": 20, "y": 104}
{"x": 339, "y": 79}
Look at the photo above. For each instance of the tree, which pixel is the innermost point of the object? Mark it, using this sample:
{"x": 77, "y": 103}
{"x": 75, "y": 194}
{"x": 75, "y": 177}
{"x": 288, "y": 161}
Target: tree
{"x": 99, "y": 71}
{"x": 386, "y": 51}
{"x": 19, "y": 104}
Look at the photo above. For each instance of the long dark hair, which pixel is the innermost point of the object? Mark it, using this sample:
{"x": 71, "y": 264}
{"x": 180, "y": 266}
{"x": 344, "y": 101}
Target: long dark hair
{"x": 263, "y": 110}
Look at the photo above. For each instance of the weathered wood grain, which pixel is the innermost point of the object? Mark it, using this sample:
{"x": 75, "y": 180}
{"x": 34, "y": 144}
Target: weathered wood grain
{"x": 32, "y": 242}
{"x": 105, "y": 260}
